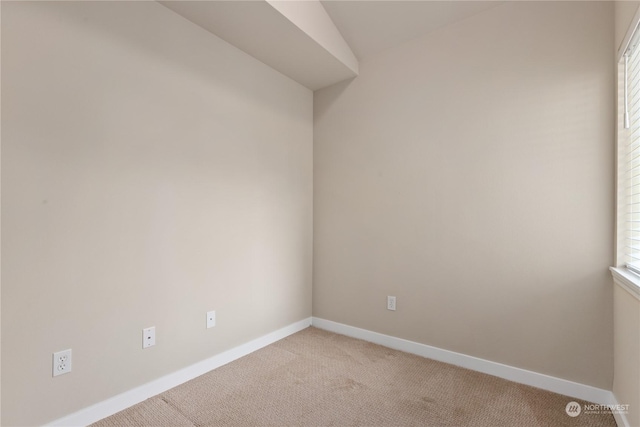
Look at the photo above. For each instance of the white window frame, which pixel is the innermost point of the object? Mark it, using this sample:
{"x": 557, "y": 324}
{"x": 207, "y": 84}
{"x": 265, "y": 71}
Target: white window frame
{"x": 627, "y": 269}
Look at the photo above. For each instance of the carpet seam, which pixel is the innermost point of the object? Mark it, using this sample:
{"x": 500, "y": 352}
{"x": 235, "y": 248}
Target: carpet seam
{"x": 178, "y": 410}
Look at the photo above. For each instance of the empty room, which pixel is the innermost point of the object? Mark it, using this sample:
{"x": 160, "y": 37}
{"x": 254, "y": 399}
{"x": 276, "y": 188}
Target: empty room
{"x": 320, "y": 213}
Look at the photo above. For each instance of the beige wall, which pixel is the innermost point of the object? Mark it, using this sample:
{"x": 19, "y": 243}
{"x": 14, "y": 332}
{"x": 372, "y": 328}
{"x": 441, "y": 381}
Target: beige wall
{"x": 626, "y": 308}
{"x": 468, "y": 173}
{"x": 626, "y": 379}
{"x": 150, "y": 172}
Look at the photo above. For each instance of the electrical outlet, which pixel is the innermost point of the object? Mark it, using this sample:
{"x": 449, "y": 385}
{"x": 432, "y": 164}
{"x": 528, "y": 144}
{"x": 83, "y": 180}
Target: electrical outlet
{"x": 61, "y": 362}
{"x": 391, "y": 303}
{"x": 211, "y": 319}
{"x": 148, "y": 337}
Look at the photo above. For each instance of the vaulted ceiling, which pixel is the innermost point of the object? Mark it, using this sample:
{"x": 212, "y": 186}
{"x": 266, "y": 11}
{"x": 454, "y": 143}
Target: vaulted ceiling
{"x": 321, "y": 43}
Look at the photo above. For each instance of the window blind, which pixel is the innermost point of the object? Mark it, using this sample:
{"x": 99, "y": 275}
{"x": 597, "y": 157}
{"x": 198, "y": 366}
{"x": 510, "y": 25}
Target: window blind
{"x": 629, "y": 158}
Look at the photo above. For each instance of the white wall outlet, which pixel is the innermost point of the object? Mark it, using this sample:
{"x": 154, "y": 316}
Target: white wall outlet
{"x": 211, "y": 319}
{"x": 148, "y": 337}
{"x": 61, "y": 362}
{"x": 391, "y": 303}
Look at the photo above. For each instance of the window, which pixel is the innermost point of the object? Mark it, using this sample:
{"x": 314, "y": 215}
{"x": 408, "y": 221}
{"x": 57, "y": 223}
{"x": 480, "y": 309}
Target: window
{"x": 629, "y": 153}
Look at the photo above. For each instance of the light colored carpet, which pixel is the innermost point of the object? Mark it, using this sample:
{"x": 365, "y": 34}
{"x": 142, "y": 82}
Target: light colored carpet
{"x": 318, "y": 378}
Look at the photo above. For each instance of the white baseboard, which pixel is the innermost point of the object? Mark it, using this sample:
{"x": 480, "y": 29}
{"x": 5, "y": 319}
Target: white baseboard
{"x": 522, "y": 376}
{"x": 621, "y": 420}
{"x": 129, "y": 398}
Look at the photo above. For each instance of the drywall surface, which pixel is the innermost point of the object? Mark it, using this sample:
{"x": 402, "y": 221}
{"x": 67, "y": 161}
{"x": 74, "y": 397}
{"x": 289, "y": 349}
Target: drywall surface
{"x": 150, "y": 172}
{"x": 469, "y": 173}
{"x": 284, "y": 38}
{"x": 626, "y": 379}
{"x": 311, "y": 17}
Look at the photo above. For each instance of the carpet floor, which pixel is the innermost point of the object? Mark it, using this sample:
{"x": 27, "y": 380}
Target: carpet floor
{"x": 318, "y": 378}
